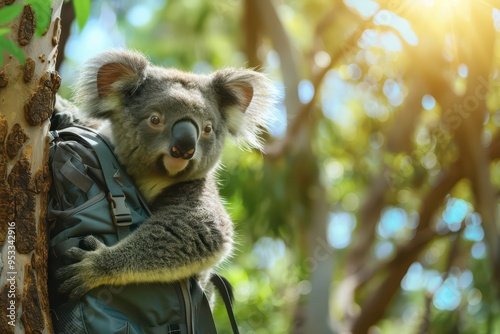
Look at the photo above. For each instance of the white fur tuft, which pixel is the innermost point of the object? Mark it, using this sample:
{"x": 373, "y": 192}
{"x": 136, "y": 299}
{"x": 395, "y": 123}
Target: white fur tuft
{"x": 86, "y": 86}
{"x": 247, "y": 119}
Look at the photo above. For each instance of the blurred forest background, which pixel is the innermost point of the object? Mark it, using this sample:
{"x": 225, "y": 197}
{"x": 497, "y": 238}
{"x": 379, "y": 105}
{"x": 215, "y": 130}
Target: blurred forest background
{"x": 375, "y": 206}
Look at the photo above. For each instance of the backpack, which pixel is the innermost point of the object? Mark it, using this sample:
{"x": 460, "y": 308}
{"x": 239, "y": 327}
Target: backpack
{"x": 92, "y": 194}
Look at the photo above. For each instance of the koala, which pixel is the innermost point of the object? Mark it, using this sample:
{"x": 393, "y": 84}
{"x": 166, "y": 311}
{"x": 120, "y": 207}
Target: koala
{"x": 168, "y": 129}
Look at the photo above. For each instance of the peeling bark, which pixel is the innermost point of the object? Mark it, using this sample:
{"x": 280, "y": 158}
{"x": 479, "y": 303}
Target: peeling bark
{"x": 26, "y": 103}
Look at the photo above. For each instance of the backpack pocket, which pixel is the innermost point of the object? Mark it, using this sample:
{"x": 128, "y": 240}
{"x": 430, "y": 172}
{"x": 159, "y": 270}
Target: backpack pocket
{"x": 86, "y": 316}
{"x": 129, "y": 309}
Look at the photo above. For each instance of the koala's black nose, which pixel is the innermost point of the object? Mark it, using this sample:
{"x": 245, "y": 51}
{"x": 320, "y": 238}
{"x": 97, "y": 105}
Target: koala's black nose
{"x": 184, "y": 136}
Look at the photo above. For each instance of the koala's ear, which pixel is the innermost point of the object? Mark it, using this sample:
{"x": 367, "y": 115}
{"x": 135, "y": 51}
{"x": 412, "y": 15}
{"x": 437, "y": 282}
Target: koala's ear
{"x": 110, "y": 75}
{"x": 245, "y": 99}
{"x": 106, "y": 79}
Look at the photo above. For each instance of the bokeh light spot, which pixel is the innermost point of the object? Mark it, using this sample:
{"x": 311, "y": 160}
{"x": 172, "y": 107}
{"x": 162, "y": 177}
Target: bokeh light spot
{"x": 428, "y": 102}
{"x": 340, "y": 229}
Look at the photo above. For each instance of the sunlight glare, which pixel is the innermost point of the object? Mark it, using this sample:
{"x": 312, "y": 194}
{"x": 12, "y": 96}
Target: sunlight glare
{"x": 441, "y": 13}
{"x": 385, "y": 17}
{"x": 365, "y": 7}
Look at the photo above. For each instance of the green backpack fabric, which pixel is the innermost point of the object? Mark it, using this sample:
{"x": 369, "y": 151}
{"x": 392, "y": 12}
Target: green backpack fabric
{"x": 92, "y": 194}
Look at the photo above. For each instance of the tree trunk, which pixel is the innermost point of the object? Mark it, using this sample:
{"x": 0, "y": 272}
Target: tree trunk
{"x": 27, "y": 95}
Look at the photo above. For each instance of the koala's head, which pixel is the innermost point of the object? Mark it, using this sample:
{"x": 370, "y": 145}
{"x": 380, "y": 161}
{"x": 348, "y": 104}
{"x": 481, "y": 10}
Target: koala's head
{"x": 170, "y": 126}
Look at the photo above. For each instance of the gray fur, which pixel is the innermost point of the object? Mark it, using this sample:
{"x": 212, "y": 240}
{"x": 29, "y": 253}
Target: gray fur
{"x": 189, "y": 232}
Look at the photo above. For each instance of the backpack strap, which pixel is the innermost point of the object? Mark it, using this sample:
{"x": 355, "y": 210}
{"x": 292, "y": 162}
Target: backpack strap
{"x": 120, "y": 213}
{"x": 199, "y": 305}
{"x": 226, "y": 292}
{"x": 72, "y": 174}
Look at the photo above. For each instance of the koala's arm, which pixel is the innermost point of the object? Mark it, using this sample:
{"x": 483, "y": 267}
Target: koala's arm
{"x": 67, "y": 114}
{"x": 179, "y": 240}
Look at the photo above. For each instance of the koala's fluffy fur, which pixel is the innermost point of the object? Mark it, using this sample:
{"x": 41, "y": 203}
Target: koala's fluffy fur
{"x": 189, "y": 231}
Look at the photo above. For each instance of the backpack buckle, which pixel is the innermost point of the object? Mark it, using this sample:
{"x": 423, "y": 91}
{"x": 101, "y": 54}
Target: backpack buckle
{"x": 120, "y": 213}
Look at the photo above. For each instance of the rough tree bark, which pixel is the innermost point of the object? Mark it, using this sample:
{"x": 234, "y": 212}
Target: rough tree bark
{"x": 27, "y": 94}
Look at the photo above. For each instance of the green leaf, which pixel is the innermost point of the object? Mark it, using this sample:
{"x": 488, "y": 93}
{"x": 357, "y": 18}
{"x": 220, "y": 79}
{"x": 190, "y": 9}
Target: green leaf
{"x": 12, "y": 48}
{"x": 9, "y": 13}
{"x": 43, "y": 13}
{"x": 4, "y": 31}
{"x": 82, "y": 12}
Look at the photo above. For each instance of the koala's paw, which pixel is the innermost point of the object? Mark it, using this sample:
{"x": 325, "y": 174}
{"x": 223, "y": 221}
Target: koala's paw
{"x": 84, "y": 275}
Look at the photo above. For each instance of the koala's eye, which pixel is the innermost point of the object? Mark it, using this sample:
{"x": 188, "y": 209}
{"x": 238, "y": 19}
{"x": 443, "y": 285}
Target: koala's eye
{"x": 155, "y": 120}
{"x": 207, "y": 129}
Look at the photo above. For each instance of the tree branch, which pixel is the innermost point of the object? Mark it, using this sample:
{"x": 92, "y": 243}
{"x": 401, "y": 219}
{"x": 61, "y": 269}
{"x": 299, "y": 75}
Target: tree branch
{"x": 468, "y": 130}
{"x": 252, "y": 29}
{"x": 286, "y": 50}
{"x": 374, "y": 307}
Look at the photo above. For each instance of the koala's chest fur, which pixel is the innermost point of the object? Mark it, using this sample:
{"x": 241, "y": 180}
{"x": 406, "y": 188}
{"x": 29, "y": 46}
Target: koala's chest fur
{"x": 152, "y": 186}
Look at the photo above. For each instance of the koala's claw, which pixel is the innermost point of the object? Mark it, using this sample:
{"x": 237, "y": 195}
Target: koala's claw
{"x": 76, "y": 253}
{"x": 74, "y": 279}
{"x": 78, "y": 292}
{"x": 90, "y": 243}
